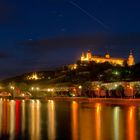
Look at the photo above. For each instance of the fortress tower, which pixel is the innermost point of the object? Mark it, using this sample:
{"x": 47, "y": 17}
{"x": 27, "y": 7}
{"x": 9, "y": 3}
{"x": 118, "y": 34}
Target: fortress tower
{"x": 87, "y": 56}
{"x": 131, "y": 60}
{"x": 83, "y": 57}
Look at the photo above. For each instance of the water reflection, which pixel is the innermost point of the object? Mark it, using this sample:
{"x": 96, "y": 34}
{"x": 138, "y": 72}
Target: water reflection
{"x": 37, "y": 120}
{"x": 1, "y": 111}
{"x": 98, "y": 120}
{"x": 32, "y": 120}
{"x": 12, "y": 118}
{"x": 116, "y": 123}
{"x": 51, "y": 120}
{"x": 86, "y": 124}
{"x": 18, "y": 117}
{"x": 23, "y": 126}
{"x": 34, "y": 115}
{"x": 74, "y": 119}
{"x": 131, "y": 123}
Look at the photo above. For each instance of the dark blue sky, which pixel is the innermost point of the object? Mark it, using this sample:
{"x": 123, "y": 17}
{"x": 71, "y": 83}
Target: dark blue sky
{"x": 39, "y": 34}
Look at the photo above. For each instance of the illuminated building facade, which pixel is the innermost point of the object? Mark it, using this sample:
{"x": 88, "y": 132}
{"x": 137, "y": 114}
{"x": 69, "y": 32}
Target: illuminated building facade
{"x": 87, "y": 57}
{"x": 34, "y": 76}
{"x": 72, "y": 66}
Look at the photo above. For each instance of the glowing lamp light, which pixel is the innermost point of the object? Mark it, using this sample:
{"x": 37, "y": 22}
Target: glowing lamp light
{"x": 12, "y": 87}
{"x": 97, "y": 88}
{"x": 37, "y": 88}
{"x": 128, "y": 86}
{"x": 116, "y": 73}
{"x": 48, "y": 89}
{"x": 116, "y": 85}
{"x": 52, "y": 89}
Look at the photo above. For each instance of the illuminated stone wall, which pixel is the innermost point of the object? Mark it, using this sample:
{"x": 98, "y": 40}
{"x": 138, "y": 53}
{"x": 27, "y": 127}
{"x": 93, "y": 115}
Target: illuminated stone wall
{"x": 107, "y": 58}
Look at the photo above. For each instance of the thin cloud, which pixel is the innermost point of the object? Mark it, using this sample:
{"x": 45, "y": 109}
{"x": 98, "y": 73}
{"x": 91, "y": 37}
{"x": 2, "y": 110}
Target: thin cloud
{"x": 98, "y": 41}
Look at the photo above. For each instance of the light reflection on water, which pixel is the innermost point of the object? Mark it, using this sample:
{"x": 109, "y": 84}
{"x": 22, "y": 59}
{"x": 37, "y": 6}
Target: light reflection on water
{"x": 98, "y": 120}
{"x": 35, "y": 118}
{"x": 74, "y": 123}
{"x": 51, "y": 120}
{"x": 12, "y": 119}
{"x": 71, "y": 120}
{"x": 131, "y": 123}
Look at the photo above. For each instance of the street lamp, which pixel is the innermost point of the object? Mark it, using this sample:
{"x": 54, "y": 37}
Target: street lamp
{"x": 35, "y": 88}
{"x": 80, "y": 87}
{"x": 32, "y": 88}
{"x": 12, "y": 87}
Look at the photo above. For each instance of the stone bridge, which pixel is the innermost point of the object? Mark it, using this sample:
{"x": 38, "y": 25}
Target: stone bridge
{"x": 128, "y": 89}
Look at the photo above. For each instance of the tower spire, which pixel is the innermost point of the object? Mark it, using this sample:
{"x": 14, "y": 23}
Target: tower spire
{"x": 83, "y": 56}
{"x": 107, "y": 55}
{"x": 131, "y": 59}
{"x": 89, "y": 55}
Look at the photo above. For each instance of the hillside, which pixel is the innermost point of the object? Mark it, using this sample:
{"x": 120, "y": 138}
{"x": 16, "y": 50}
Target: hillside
{"x": 84, "y": 72}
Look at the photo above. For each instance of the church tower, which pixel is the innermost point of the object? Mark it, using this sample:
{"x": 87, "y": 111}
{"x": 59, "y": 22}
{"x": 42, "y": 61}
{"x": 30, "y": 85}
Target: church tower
{"x": 89, "y": 55}
{"x": 131, "y": 60}
{"x": 82, "y": 57}
{"x": 107, "y": 55}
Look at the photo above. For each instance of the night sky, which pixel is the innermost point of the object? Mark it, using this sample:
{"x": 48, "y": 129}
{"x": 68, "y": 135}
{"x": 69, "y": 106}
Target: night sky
{"x": 41, "y": 34}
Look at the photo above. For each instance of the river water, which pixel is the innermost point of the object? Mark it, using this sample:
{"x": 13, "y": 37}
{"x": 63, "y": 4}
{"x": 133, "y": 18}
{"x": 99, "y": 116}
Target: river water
{"x": 67, "y": 120}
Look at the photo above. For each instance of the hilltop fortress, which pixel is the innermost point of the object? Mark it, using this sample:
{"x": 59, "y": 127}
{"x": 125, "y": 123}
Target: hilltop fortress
{"x": 87, "y": 57}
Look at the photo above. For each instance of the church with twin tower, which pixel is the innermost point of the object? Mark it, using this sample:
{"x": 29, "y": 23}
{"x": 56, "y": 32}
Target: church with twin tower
{"x": 87, "y": 57}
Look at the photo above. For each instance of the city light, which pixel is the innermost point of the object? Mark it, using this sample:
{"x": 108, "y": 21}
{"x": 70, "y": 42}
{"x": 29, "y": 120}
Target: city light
{"x": 73, "y": 95}
{"x": 12, "y": 87}
{"x": 50, "y": 89}
{"x": 34, "y": 76}
{"x": 80, "y": 87}
{"x": 35, "y": 88}
{"x": 116, "y": 85}
{"x": 116, "y": 73}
